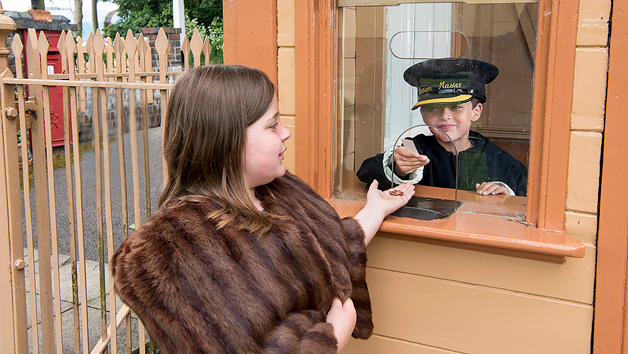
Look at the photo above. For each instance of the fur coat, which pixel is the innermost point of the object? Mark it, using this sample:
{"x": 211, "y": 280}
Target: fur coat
{"x": 202, "y": 290}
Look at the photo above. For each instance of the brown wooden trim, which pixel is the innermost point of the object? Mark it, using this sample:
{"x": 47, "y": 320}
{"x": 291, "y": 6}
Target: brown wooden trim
{"x": 610, "y": 328}
{"x": 551, "y": 113}
{"x": 488, "y": 233}
{"x": 315, "y": 74}
{"x": 12, "y": 336}
{"x": 250, "y": 28}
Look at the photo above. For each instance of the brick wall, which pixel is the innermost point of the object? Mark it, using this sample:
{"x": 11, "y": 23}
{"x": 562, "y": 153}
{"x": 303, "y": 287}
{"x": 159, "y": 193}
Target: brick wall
{"x": 174, "y": 38}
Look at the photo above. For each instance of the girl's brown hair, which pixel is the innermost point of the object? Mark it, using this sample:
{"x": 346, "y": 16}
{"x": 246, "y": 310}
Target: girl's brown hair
{"x": 209, "y": 109}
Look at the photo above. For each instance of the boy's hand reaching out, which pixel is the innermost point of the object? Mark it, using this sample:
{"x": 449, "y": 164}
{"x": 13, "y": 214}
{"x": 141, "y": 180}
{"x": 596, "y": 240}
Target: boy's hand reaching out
{"x": 490, "y": 188}
{"x": 407, "y": 161}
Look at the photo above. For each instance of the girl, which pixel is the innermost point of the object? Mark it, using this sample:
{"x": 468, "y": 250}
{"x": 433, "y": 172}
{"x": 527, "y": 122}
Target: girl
{"x": 244, "y": 257}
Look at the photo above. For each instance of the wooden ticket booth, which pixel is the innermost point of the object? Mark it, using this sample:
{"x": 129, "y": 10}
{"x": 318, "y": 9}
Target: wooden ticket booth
{"x": 542, "y": 273}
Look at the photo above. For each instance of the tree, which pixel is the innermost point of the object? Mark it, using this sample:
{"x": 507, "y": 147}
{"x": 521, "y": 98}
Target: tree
{"x": 206, "y": 15}
{"x": 158, "y": 13}
{"x": 78, "y": 15}
{"x": 94, "y": 15}
{"x": 203, "y": 11}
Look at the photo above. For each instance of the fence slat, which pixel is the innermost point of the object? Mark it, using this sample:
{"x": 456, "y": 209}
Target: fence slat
{"x": 118, "y": 44}
{"x": 10, "y": 128}
{"x": 119, "y": 48}
{"x": 80, "y": 62}
{"x": 108, "y": 75}
{"x": 124, "y": 313}
{"x": 43, "y": 46}
{"x": 148, "y": 67}
{"x": 207, "y": 49}
{"x": 185, "y": 51}
{"x": 131, "y": 49}
{"x": 145, "y": 50}
{"x": 196, "y": 46}
{"x": 81, "y": 84}
{"x": 10, "y": 209}
{"x": 89, "y": 47}
{"x": 78, "y": 193}
{"x": 110, "y": 331}
{"x": 67, "y": 151}
{"x": 41, "y": 202}
{"x": 26, "y": 177}
{"x": 109, "y": 51}
{"x": 94, "y": 49}
{"x": 163, "y": 47}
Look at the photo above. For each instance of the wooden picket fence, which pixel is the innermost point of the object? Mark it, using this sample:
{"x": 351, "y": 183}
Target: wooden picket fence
{"x": 96, "y": 71}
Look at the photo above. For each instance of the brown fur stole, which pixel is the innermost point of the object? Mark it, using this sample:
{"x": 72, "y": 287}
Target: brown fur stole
{"x": 202, "y": 290}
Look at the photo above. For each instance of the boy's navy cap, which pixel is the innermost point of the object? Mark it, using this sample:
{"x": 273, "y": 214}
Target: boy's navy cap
{"x": 450, "y": 80}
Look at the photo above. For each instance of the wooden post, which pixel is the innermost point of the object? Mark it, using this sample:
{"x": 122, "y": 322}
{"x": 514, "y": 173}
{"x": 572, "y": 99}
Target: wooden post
{"x": 7, "y": 324}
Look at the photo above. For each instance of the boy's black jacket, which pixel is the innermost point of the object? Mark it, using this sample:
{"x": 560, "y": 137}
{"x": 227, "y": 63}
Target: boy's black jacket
{"x": 484, "y": 162}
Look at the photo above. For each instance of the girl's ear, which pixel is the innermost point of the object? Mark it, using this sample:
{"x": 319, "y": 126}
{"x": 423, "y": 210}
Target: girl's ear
{"x": 476, "y": 112}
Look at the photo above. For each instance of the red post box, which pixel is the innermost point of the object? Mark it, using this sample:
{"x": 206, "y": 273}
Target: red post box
{"x": 56, "y": 92}
{"x": 51, "y": 26}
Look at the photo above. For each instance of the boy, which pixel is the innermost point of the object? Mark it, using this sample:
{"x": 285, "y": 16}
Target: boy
{"x": 451, "y": 96}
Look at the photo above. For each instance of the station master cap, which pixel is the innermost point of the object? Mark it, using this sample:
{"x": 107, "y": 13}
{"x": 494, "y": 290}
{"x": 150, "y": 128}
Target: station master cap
{"x": 450, "y": 80}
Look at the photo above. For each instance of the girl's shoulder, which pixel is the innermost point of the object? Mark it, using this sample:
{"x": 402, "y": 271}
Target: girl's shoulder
{"x": 184, "y": 217}
{"x": 290, "y": 185}
{"x": 294, "y": 195}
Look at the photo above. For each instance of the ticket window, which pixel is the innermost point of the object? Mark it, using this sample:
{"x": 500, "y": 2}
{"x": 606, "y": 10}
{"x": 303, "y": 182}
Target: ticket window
{"x": 376, "y": 44}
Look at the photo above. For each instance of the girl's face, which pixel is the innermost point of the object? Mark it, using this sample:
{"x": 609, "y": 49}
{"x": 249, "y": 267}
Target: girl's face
{"x": 264, "y": 148}
{"x": 455, "y": 119}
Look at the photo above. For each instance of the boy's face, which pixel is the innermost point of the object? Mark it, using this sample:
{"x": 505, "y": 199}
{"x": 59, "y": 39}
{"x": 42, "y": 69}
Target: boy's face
{"x": 454, "y": 119}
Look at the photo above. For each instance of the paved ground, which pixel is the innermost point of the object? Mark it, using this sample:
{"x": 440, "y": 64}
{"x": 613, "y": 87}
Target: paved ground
{"x": 88, "y": 176}
{"x": 67, "y": 312}
{"x": 90, "y": 233}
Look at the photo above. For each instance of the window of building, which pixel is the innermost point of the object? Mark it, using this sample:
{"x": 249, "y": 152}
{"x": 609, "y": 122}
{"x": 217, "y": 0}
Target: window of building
{"x": 377, "y": 44}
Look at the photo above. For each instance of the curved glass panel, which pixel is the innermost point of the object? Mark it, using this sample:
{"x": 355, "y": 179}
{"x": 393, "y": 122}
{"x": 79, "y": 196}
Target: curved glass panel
{"x": 422, "y": 207}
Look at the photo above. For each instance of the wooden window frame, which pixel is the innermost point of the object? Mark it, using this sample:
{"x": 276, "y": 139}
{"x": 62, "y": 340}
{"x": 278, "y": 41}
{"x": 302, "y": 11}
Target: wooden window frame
{"x": 315, "y": 63}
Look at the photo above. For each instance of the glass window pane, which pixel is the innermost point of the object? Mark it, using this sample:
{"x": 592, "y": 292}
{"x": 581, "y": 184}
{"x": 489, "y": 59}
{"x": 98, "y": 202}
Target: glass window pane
{"x": 377, "y": 44}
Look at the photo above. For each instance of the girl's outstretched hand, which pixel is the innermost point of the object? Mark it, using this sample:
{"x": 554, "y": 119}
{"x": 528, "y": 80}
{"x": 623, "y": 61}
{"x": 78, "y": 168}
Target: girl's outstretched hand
{"x": 379, "y": 204}
{"x": 389, "y": 200}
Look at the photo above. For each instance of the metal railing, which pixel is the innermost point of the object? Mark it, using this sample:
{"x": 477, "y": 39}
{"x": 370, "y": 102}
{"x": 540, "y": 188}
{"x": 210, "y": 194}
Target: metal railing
{"x": 46, "y": 202}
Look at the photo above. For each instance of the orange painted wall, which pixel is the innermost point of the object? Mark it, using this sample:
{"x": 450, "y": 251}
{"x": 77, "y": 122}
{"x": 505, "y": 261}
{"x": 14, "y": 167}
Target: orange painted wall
{"x": 250, "y": 28}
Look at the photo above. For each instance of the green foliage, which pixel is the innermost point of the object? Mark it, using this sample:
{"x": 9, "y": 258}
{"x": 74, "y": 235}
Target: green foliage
{"x": 206, "y": 15}
{"x": 204, "y": 11}
{"x": 135, "y": 14}
{"x": 216, "y": 37}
